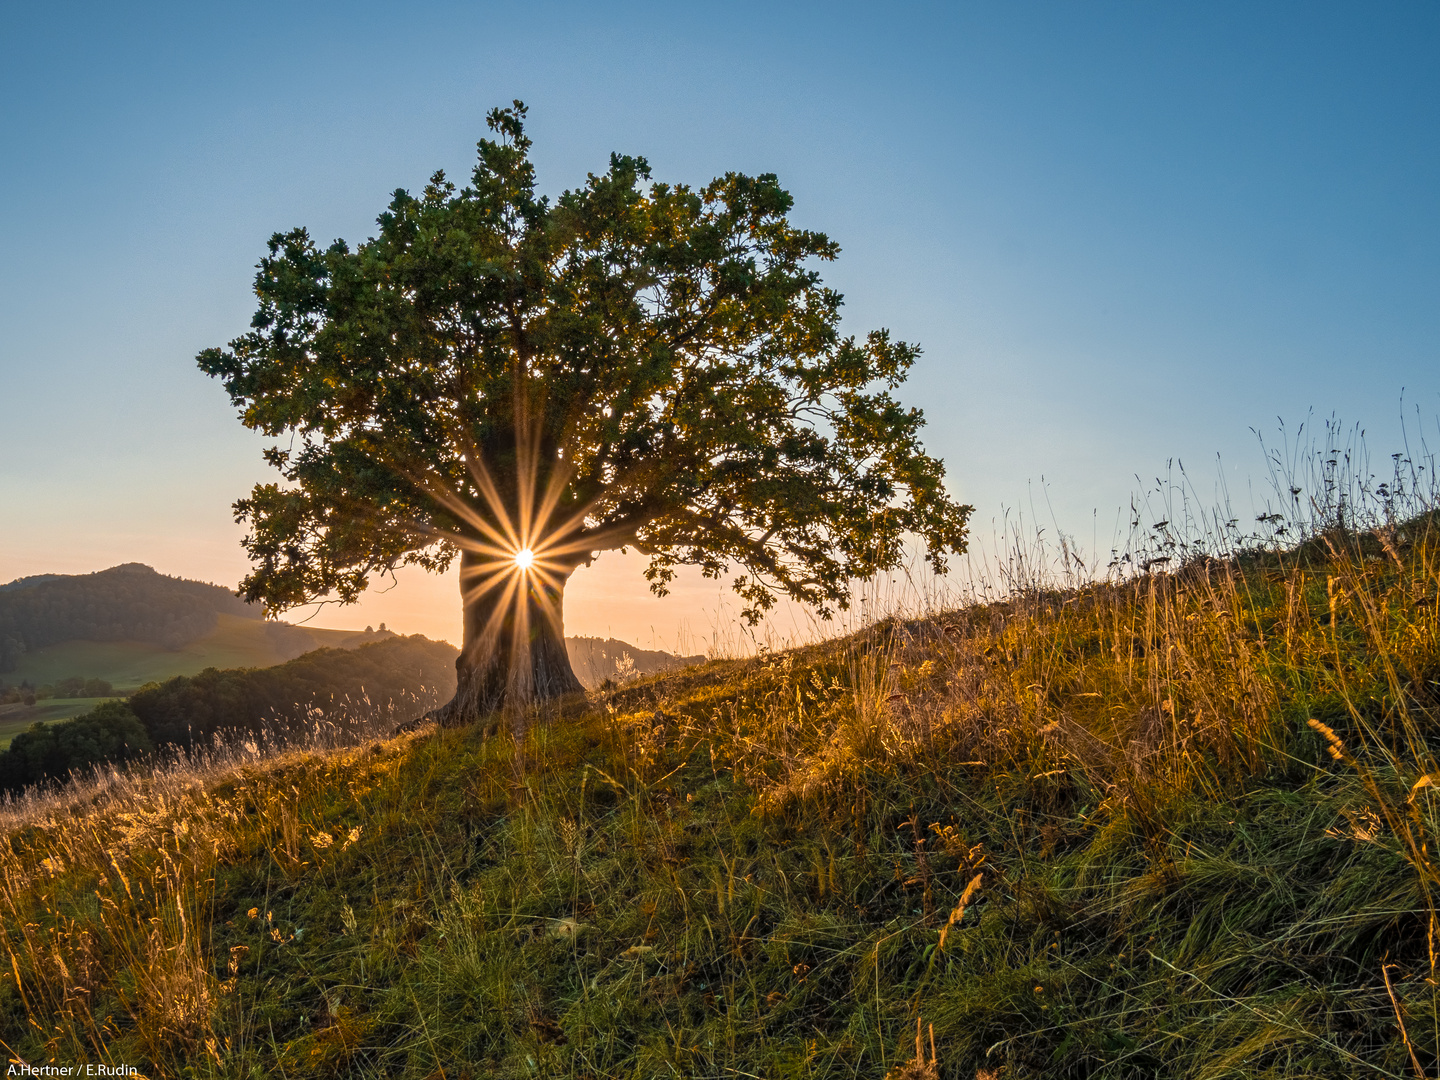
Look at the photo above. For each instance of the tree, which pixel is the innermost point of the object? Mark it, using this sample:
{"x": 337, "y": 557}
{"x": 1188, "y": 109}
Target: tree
{"x": 110, "y": 732}
{"x": 522, "y": 383}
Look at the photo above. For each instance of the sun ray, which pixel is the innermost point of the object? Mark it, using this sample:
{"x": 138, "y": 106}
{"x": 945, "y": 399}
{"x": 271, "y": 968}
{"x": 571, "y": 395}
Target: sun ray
{"x": 526, "y": 453}
{"x": 493, "y": 499}
{"x": 515, "y": 557}
{"x": 549, "y": 609}
{"x": 503, "y": 538}
{"x": 479, "y": 582}
{"x": 490, "y": 632}
{"x": 521, "y": 676}
{"x": 555, "y": 487}
{"x": 486, "y": 555}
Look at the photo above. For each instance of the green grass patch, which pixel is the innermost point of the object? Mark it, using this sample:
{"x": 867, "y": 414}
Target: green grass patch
{"x": 16, "y": 720}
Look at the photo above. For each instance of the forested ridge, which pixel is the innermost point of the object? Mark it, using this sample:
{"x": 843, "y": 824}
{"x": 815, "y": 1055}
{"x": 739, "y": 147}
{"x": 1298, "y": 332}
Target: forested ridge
{"x": 401, "y": 674}
{"x": 130, "y": 602}
{"x": 387, "y": 682}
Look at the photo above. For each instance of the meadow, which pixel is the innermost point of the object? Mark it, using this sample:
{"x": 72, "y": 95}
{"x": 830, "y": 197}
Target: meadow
{"x": 16, "y": 718}
{"x": 1173, "y": 820}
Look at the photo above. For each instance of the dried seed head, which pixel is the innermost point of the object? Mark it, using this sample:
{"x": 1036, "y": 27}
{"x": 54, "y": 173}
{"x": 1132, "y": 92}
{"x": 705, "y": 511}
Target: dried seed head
{"x": 1336, "y": 747}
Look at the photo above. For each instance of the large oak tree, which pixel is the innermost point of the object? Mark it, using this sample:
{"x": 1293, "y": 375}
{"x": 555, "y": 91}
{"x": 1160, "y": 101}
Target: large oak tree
{"x": 523, "y": 383}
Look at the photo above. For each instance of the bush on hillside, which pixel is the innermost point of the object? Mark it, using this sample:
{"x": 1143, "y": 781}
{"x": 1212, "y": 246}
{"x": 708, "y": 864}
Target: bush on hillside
{"x": 79, "y": 687}
{"x": 108, "y": 733}
{"x": 13, "y": 695}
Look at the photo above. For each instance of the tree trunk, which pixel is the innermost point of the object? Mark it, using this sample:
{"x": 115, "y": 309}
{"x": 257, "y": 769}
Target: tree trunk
{"x": 513, "y": 654}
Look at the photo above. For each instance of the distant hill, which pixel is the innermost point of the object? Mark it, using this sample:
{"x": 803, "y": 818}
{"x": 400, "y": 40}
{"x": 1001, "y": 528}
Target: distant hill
{"x": 130, "y": 626}
{"x": 234, "y": 641}
{"x": 395, "y": 680}
{"x": 27, "y": 582}
{"x": 598, "y": 659}
{"x": 378, "y": 684}
{"x": 130, "y": 602}
{"x": 383, "y": 682}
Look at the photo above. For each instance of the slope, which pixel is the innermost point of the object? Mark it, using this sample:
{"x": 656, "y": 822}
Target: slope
{"x": 1174, "y": 825}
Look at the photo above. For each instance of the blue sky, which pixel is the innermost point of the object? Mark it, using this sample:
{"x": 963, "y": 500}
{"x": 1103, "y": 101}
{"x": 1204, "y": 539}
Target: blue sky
{"x": 1124, "y": 233}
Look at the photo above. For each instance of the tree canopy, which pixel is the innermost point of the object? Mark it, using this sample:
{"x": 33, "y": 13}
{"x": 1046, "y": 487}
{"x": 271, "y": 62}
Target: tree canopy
{"x": 633, "y": 363}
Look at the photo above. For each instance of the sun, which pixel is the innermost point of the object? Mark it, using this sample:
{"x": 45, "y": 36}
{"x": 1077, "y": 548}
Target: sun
{"x": 524, "y": 559}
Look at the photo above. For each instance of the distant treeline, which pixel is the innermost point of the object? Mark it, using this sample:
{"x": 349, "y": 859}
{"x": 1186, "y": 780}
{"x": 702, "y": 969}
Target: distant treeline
{"x": 597, "y": 659}
{"x": 391, "y": 681}
{"x": 77, "y": 686}
{"x": 130, "y": 602}
{"x": 400, "y": 675}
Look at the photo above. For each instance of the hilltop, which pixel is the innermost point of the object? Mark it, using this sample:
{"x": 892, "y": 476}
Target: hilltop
{"x": 125, "y": 627}
{"x": 130, "y": 602}
{"x": 1174, "y": 824}
{"x": 131, "y": 624}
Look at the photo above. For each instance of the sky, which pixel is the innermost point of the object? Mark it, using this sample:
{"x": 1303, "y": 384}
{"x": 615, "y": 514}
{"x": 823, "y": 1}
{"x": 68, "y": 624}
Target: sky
{"x": 1125, "y": 234}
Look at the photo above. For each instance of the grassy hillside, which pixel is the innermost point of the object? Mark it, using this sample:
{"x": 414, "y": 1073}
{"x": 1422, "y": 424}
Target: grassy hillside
{"x": 1177, "y": 825}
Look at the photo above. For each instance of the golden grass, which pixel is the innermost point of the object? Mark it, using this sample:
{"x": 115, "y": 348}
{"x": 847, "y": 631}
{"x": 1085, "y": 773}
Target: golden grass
{"x": 1193, "y": 814}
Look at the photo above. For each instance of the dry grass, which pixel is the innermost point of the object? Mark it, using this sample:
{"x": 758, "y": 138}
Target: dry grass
{"x": 1179, "y": 822}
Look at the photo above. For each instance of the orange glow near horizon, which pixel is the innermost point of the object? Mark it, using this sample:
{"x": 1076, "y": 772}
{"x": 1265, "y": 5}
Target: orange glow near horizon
{"x": 528, "y": 547}
{"x": 520, "y": 554}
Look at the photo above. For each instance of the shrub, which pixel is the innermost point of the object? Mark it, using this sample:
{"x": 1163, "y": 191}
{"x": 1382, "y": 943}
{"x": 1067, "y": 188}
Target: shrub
{"x": 108, "y": 733}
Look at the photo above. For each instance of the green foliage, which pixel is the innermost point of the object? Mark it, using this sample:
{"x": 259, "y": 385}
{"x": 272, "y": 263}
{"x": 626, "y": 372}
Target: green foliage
{"x": 400, "y": 677}
{"x": 108, "y": 733}
{"x": 639, "y": 363}
{"x": 12, "y": 647}
{"x": 12, "y": 695}
{"x": 77, "y": 686}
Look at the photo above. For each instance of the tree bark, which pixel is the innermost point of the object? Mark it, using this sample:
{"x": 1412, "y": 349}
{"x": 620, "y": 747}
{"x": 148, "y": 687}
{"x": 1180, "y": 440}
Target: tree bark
{"x": 513, "y": 654}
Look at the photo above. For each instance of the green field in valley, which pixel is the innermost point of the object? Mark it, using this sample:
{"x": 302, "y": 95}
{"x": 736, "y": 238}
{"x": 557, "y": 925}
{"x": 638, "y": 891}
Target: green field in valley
{"x": 15, "y": 719}
{"x": 128, "y": 665}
